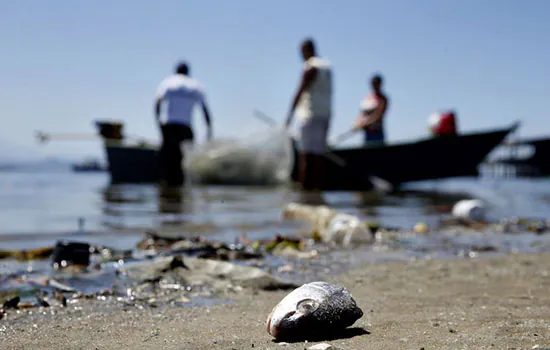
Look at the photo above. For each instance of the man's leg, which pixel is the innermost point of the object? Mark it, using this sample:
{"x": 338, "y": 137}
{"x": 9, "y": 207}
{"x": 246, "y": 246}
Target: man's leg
{"x": 318, "y": 172}
{"x": 164, "y": 156}
{"x": 186, "y": 136}
{"x": 171, "y": 155}
{"x": 321, "y": 147}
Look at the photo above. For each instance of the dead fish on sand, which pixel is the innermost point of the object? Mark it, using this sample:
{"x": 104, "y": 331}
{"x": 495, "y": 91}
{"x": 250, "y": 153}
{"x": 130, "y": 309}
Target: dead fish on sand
{"x": 314, "y": 309}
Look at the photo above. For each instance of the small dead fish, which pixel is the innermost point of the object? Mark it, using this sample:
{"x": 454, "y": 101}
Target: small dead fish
{"x": 313, "y": 309}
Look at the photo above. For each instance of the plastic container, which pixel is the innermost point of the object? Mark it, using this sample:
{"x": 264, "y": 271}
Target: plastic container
{"x": 347, "y": 229}
{"x": 471, "y": 209}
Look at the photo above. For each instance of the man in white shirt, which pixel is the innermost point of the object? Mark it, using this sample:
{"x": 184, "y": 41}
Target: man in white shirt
{"x": 181, "y": 93}
{"x": 313, "y": 106}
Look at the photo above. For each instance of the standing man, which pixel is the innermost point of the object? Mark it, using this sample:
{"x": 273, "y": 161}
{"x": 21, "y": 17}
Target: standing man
{"x": 371, "y": 116}
{"x": 181, "y": 93}
{"x": 313, "y": 105}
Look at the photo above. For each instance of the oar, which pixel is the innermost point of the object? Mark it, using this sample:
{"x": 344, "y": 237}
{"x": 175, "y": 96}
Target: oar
{"x": 44, "y": 137}
{"x": 343, "y": 137}
{"x": 329, "y": 155}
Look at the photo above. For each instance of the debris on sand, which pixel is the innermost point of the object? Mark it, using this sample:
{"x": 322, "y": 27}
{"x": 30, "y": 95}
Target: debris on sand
{"x": 471, "y": 209}
{"x": 314, "y": 309}
{"x": 26, "y": 255}
{"x": 12, "y": 303}
{"x": 322, "y": 346}
{"x": 330, "y": 225}
{"x": 196, "y": 246}
{"x": 216, "y": 274}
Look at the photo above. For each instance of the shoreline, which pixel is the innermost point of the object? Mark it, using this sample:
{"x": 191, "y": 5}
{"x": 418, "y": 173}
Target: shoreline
{"x": 491, "y": 302}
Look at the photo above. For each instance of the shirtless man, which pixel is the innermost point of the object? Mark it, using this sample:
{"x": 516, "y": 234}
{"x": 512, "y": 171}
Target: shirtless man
{"x": 371, "y": 117}
{"x": 313, "y": 106}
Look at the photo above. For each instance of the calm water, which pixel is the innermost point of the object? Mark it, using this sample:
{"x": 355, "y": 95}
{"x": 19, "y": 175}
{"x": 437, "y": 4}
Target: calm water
{"x": 37, "y": 208}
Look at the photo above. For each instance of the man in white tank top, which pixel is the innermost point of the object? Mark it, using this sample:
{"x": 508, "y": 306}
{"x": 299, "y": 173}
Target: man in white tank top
{"x": 313, "y": 106}
{"x": 181, "y": 93}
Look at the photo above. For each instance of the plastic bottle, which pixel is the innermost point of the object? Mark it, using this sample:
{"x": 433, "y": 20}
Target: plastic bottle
{"x": 472, "y": 209}
{"x": 346, "y": 229}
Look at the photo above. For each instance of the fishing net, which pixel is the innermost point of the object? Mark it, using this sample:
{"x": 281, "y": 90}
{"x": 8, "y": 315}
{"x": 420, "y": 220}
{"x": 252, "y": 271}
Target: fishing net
{"x": 265, "y": 158}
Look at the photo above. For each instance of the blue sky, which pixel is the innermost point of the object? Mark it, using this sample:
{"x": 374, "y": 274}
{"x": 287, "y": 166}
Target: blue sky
{"x": 66, "y": 63}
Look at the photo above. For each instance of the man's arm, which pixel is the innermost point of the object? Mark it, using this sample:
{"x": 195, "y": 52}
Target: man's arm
{"x": 307, "y": 78}
{"x": 207, "y": 119}
{"x": 158, "y": 103}
{"x": 376, "y": 115}
{"x": 161, "y": 92}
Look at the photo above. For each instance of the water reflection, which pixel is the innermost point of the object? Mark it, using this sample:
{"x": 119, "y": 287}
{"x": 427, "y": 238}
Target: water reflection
{"x": 174, "y": 200}
{"x": 145, "y": 205}
{"x": 310, "y": 198}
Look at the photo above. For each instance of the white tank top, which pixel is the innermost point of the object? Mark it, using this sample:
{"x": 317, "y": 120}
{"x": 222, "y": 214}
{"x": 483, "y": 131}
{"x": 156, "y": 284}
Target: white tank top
{"x": 316, "y": 101}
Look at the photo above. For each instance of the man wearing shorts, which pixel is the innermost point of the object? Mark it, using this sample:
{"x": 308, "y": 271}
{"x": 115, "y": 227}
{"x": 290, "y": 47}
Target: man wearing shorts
{"x": 313, "y": 106}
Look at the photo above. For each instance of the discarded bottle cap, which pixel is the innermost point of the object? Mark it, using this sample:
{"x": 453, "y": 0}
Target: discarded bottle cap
{"x": 71, "y": 253}
{"x": 420, "y": 228}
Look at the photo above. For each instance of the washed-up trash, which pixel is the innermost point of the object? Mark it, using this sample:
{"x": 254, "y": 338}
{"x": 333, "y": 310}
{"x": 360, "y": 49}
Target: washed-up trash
{"x": 317, "y": 216}
{"x": 322, "y": 346}
{"x": 24, "y": 255}
{"x": 420, "y": 228}
{"x": 217, "y": 274}
{"x": 470, "y": 209}
{"x": 313, "y": 309}
{"x": 196, "y": 246}
{"x": 347, "y": 229}
{"x": 329, "y": 225}
{"x": 266, "y": 158}
{"x": 12, "y": 303}
{"x": 517, "y": 225}
{"x": 71, "y": 253}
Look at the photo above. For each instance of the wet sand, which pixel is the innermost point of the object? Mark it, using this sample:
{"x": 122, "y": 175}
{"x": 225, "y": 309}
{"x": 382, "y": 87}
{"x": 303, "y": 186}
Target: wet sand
{"x": 489, "y": 303}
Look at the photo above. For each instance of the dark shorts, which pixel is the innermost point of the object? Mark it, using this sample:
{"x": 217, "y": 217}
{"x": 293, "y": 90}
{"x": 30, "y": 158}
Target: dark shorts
{"x": 171, "y": 154}
{"x": 176, "y": 133}
{"x": 374, "y": 137}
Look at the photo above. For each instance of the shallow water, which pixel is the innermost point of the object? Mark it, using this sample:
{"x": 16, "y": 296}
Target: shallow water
{"x": 38, "y": 208}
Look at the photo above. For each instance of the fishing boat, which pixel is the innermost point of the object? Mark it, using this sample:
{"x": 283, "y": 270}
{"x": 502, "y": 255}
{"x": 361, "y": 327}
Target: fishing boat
{"x": 523, "y": 158}
{"x": 347, "y": 169}
{"x": 88, "y": 165}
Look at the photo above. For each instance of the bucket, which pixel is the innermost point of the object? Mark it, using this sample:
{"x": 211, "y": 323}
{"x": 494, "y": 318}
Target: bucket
{"x": 110, "y": 130}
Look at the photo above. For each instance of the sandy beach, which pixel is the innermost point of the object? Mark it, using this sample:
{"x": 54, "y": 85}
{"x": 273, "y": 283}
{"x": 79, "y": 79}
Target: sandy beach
{"x": 493, "y": 303}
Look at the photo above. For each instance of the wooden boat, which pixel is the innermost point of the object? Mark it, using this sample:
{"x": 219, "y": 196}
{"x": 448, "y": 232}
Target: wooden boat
{"x": 430, "y": 158}
{"x": 88, "y": 165}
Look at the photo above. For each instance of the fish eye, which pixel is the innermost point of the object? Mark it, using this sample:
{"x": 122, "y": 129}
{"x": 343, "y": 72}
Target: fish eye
{"x": 306, "y": 306}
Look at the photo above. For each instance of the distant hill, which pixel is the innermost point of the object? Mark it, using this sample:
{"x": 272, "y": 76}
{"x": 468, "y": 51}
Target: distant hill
{"x": 14, "y": 157}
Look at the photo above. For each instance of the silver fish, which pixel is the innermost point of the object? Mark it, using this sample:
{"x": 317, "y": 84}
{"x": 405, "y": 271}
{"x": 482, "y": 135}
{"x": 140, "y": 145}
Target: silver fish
{"x": 313, "y": 309}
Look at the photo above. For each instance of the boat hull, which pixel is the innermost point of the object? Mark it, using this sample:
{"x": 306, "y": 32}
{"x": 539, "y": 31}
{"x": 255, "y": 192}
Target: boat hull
{"x": 536, "y": 165}
{"x": 433, "y": 158}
